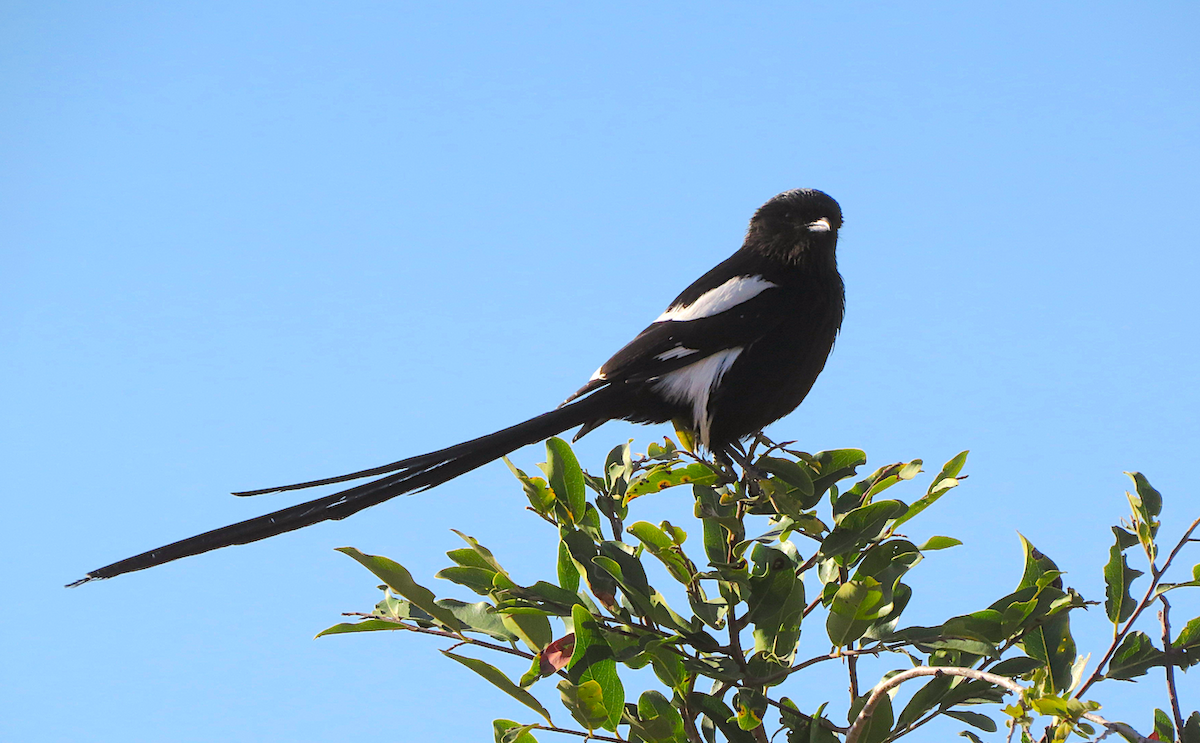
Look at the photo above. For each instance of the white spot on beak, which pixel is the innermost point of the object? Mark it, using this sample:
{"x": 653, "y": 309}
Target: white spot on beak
{"x": 821, "y": 225}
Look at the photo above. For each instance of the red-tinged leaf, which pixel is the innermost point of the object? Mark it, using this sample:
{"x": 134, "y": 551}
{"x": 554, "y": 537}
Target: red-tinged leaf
{"x": 557, "y": 654}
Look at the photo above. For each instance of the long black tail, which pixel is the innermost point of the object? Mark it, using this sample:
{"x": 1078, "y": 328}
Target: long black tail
{"x": 410, "y": 475}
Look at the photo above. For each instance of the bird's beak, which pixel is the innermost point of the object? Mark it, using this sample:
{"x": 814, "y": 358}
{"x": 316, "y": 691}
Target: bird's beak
{"x": 821, "y": 225}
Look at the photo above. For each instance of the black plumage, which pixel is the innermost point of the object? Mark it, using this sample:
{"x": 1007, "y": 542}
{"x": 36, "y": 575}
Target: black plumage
{"x": 738, "y": 349}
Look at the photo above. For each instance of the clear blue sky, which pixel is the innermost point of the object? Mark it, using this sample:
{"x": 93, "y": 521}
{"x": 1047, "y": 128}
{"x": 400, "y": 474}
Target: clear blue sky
{"x": 252, "y": 243}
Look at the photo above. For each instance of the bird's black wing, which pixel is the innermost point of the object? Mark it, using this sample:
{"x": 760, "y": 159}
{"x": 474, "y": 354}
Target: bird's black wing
{"x": 668, "y": 345}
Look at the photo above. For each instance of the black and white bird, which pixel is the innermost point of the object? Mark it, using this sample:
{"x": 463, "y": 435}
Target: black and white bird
{"x": 737, "y": 350}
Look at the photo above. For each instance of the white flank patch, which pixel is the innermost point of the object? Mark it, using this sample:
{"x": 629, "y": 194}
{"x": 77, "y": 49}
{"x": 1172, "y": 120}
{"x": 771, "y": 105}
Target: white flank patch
{"x": 677, "y": 352}
{"x": 821, "y": 225}
{"x": 694, "y": 384}
{"x": 737, "y": 290}
{"x": 596, "y": 375}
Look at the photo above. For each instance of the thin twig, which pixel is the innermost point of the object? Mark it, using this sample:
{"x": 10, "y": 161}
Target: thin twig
{"x": 809, "y": 562}
{"x": 812, "y": 605}
{"x": 580, "y": 733}
{"x": 689, "y": 717}
{"x": 878, "y": 693}
{"x": 1119, "y": 728}
{"x": 852, "y": 671}
{"x": 1156, "y": 576}
{"x": 779, "y": 675}
{"x": 1169, "y": 652}
{"x": 442, "y": 633}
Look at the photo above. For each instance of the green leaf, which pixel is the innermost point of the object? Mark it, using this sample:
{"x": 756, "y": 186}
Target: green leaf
{"x": 722, "y": 717}
{"x": 536, "y": 489}
{"x": 665, "y": 476}
{"x": 501, "y": 682}
{"x": 969, "y": 736}
{"x": 657, "y": 720}
{"x": 1037, "y": 565}
{"x": 566, "y": 477}
{"x": 957, "y": 637}
{"x": 789, "y": 472}
{"x": 1134, "y": 657}
{"x": 582, "y": 549}
{"x": 398, "y": 579}
{"x": 834, "y": 466}
{"x": 1150, "y": 497}
{"x": 954, "y": 466}
{"x": 804, "y": 728}
{"x": 585, "y": 702}
{"x": 877, "y": 728}
{"x": 983, "y": 722}
{"x": 542, "y": 595}
{"x": 507, "y": 731}
{"x": 618, "y": 468}
{"x": 592, "y": 660}
{"x": 1125, "y": 539}
{"x": 1051, "y": 643}
{"x": 366, "y": 625}
{"x": 925, "y": 699}
{"x": 478, "y": 617}
{"x": 750, "y": 705}
{"x": 855, "y": 606}
{"x": 1016, "y": 667}
{"x": 939, "y": 543}
{"x": 1164, "y": 729}
{"x": 483, "y": 553}
{"x": 861, "y": 525}
{"x": 1187, "y": 645}
{"x": 882, "y": 628}
{"x": 478, "y": 580}
{"x": 946, "y": 479}
{"x": 533, "y": 628}
{"x": 1118, "y": 577}
{"x": 665, "y": 548}
{"x": 469, "y": 558}
{"x": 1191, "y": 729}
{"x": 568, "y": 574}
{"x": 776, "y": 603}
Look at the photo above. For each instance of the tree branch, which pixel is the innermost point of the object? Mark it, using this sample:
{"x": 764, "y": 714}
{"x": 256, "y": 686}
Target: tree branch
{"x": 1172, "y": 694}
{"x": 1119, "y": 728}
{"x": 869, "y": 708}
{"x": 877, "y": 694}
{"x": 401, "y": 624}
{"x": 852, "y": 671}
{"x": 1155, "y": 577}
{"x": 580, "y": 733}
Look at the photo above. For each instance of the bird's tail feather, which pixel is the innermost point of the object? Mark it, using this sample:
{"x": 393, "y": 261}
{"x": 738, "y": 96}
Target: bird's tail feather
{"x": 408, "y": 476}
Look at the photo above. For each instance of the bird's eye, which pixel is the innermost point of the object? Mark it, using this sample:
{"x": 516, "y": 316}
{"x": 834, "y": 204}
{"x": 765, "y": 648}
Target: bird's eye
{"x": 821, "y": 225}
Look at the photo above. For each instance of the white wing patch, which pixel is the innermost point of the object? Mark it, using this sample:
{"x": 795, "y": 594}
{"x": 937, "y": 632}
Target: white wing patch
{"x": 694, "y": 383}
{"x": 737, "y": 290}
{"x": 678, "y": 352}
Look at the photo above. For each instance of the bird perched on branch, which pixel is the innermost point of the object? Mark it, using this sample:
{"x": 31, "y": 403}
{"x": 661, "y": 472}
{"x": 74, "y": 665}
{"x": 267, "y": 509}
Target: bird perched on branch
{"x": 737, "y": 350}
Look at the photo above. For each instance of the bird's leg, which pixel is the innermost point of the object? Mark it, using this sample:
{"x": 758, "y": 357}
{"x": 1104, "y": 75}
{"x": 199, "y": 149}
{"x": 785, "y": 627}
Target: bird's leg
{"x": 723, "y": 466}
{"x": 749, "y": 472}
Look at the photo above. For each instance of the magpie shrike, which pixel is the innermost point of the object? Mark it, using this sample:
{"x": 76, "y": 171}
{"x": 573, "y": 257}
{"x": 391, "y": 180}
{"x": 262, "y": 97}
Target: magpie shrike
{"x": 738, "y": 349}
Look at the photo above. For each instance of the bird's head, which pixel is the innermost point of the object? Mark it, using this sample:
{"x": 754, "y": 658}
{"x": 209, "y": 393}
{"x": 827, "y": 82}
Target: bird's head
{"x": 797, "y": 226}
